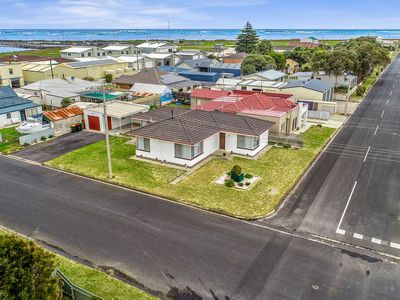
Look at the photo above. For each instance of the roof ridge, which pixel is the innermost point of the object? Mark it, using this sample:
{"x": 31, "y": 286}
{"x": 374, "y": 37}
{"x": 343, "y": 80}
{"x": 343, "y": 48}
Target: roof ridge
{"x": 247, "y": 122}
{"x": 184, "y": 129}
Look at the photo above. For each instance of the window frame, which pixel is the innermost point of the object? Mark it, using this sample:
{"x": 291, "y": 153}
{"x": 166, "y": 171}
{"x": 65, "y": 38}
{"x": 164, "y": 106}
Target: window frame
{"x": 256, "y": 138}
{"x": 193, "y": 155}
{"x": 145, "y": 148}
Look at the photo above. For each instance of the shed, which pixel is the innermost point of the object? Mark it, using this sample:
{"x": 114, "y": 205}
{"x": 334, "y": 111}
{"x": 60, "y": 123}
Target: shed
{"x": 61, "y": 119}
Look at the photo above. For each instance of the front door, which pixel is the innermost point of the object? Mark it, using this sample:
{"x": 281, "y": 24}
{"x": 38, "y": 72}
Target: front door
{"x": 222, "y": 141}
{"x": 23, "y": 115}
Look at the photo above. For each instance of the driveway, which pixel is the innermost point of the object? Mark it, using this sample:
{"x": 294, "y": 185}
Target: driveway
{"x": 59, "y": 146}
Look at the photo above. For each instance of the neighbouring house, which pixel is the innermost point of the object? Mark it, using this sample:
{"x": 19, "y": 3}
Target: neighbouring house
{"x": 292, "y": 66}
{"x": 190, "y": 54}
{"x": 187, "y": 138}
{"x": 317, "y": 94}
{"x": 51, "y": 92}
{"x": 345, "y": 80}
{"x": 96, "y": 69}
{"x": 287, "y": 116}
{"x": 138, "y": 62}
{"x": 31, "y": 58}
{"x": 209, "y": 77}
{"x": 157, "y": 115}
{"x": 200, "y": 65}
{"x": 119, "y": 116}
{"x": 303, "y": 76}
{"x": 162, "y": 90}
{"x": 163, "y": 58}
{"x": 118, "y": 50}
{"x": 15, "y": 109}
{"x": 62, "y": 119}
{"x": 156, "y": 47}
{"x": 269, "y": 75}
{"x": 200, "y": 96}
{"x": 236, "y": 58}
{"x": 226, "y": 70}
{"x": 309, "y": 40}
{"x": 261, "y": 85}
{"x": 79, "y": 52}
{"x": 99, "y": 97}
{"x": 11, "y": 75}
{"x": 227, "y": 83}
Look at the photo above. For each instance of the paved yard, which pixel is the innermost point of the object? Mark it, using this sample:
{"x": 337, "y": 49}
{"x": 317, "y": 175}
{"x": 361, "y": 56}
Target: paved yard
{"x": 59, "y": 146}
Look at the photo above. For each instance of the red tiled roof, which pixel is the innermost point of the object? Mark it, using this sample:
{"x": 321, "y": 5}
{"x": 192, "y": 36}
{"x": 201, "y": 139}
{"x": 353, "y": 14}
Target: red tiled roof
{"x": 63, "y": 113}
{"x": 209, "y": 94}
{"x": 258, "y": 104}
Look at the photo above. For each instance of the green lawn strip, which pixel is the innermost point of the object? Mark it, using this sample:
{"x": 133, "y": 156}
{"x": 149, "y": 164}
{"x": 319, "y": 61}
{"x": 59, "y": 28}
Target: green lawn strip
{"x": 47, "y": 52}
{"x": 178, "y": 105}
{"x": 279, "y": 170}
{"x": 95, "y": 281}
{"x": 10, "y": 140}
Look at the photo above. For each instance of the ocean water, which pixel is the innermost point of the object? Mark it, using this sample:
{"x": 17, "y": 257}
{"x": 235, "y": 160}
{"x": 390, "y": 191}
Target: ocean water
{"x": 188, "y": 34}
{"x": 10, "y": 49}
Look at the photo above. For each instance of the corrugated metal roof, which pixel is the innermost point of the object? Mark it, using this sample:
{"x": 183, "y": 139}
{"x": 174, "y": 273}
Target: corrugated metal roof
{"x": 149, "y": 88}
{"x": 63, "y": 113}
{"x": 99, "y": 62}
{"x": 313, "y": 84}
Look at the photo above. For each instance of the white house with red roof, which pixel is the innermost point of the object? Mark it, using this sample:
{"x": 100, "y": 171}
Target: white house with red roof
{"x": 287, "y": 115}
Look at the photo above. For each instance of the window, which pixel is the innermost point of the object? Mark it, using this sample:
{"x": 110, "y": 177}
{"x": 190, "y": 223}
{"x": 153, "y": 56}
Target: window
{"x": 188, "y": 152}
{"x": 122, "y": 52}
{"x": 11, "y": 71}
{"x": 283, "y": 125}
{"x": 69, "y": 54}
{"x": 104, "y": 54}
{"x": 89, "y": 54}
{"x": 98, "y": 53}
{"x": 143, "y": 144}
{"x": 248, "y": 142}
{"x": 31, "y": 112}
{"x": 8, "y": 116}
{"x": 82, "y": 54}
{"x": 126, "y": 52}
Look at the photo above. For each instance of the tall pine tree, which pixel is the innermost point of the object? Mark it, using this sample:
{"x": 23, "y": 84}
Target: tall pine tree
{"x": 247, "y": 39}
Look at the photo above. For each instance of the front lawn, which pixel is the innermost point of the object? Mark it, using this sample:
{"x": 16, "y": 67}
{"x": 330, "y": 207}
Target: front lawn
{"x": 279, "y": 170}
{"x": 10, "y": 140}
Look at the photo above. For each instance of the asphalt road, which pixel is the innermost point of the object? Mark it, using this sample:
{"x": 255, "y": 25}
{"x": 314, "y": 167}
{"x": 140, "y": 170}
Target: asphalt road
{"x": 164, "y": 245}
{"x": 353, "y": 191}
{"x": 64, "y": 144}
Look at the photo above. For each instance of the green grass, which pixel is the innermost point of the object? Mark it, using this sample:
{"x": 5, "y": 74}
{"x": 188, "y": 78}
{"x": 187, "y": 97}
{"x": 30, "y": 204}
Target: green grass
{"x": 10, "y": 140}
{"x": 48, "y": 52}
{"x": 95, "y": 281}
{"x": 279, "y": 170}
{"x": 177, "y": 105}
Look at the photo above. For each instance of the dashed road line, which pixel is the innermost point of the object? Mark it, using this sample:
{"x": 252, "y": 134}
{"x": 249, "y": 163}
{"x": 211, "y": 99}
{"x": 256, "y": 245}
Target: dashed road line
{"x": 358, "y": 236}
{"x": 366, "y": 154}
{"x": 338, "y": 230}
{"x": 376, "y": 241}
{"x": 391, "y": 93}
{"x": 383, "y": 112}
{"x": 395, "y": 245}
{"x": 376, "y": 130}
{"x": 387, "y": 102}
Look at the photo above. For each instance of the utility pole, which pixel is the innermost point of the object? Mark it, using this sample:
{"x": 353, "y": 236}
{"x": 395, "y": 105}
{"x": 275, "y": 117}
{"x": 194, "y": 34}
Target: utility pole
{"x": 347, "y": 99}
{"x": 137, "y": 59}
{"x": 110, "y": 176}
{"x": 51, "y": 68}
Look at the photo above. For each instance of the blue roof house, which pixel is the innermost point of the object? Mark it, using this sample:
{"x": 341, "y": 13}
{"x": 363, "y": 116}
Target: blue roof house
{"x": 224, "y": 68}
{"x": 15, "y": 109}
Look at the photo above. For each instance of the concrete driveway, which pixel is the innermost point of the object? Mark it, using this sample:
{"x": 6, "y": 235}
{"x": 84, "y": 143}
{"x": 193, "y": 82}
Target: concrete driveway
{"x": 59, "y": 146}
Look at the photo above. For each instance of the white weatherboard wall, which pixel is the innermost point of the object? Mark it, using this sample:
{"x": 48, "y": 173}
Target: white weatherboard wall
{"x": 231, "y": 144}
{"x": 165, "y": 151}
{"x": 15, "y": 116}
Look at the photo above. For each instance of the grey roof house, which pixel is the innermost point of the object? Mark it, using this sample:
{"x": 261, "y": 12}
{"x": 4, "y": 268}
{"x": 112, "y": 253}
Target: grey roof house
{"x": 15, "y": 109}
{"x": 313, "y": 89}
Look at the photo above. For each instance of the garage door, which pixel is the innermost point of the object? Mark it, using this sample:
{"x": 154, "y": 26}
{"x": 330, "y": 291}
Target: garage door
{"x": 94, "y": 123}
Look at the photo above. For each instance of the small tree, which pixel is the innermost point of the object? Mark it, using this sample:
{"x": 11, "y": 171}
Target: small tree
{"x": 66, "y": 102}
{"x": 256, "y": 63}
{"x": 108, "y": 78}
{"x": 264, "y": 47}
{"x": 247, "y": 39}
{"x": 237, "y": 174}
{"x": 26, "y": 270}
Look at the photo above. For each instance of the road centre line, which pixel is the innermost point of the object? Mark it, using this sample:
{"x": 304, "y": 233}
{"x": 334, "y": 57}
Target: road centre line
{"x": 382, "y": 113}
{"x": 338, "y": 230}
{"x": 376, "y": 129}
{"x": 366, "y": 154}
{"x": 376, "y": 241}
{"x": 387, "y": 101}
{"x": 391, "y": 93}
{"x": 395, "y": 245}
{"x": 358, "y": 236}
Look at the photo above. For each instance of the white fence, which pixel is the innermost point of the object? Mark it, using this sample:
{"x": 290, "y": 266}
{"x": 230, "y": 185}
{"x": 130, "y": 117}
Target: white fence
{"x": 319, "y": 115}
{"x": 35, "y": 137}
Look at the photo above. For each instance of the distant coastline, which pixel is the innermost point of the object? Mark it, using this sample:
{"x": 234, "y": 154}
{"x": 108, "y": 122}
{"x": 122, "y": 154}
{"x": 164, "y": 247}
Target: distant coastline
{"x": 185, "y": 34}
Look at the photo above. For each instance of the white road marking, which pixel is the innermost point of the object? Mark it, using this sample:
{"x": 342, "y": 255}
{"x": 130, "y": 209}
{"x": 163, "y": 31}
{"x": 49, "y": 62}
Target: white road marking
{"x": 376, "y": 241}
{"x": 341, "y": 231}
{"x": 391, "y": 93}
{"x": 382, "y": 113}
{"x": 387, "y": 101}
{"x": 366, "y": 154}
{"x": 395, "y": 245}
{"x": 358, "y": 236}
{"x": 376, "y": 130}
{"x": 345, "y": 209}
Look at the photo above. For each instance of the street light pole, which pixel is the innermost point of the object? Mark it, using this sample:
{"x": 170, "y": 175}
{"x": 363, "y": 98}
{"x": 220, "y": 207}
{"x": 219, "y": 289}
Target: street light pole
{"x": 110, "y": 175}
{"x": 347, "y": 98}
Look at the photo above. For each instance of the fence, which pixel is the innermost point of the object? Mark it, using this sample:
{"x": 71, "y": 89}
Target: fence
{"x": 73, "y": 291}
{"x": 318, "y": 115}
{"x": 296, "y": 140}
{"x": 35, "y": 137}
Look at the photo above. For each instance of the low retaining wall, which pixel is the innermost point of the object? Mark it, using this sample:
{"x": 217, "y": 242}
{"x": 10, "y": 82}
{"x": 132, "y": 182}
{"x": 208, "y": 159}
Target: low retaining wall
{"x": 35, "y": 137}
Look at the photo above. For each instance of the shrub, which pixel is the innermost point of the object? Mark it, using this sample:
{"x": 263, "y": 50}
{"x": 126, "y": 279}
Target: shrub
{"x": 241, "y": 184}
{"x": 286, "y": 146}
{"x": 229, "y": 173}
{"x": 229, "y": 183}
{"x": 108, "y": 78}
{"x": 43, "y": 138}
{"x": 236, "y": 170}
{"x": 247, "y": 183}
{"x": 51, "y": 136}
{"x": 248, "y": 176}
{"x": 361, "y": 90}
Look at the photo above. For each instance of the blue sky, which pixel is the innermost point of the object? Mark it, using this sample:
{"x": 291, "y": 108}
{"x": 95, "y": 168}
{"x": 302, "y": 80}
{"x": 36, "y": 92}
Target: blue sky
{"x": 266, "y": 14}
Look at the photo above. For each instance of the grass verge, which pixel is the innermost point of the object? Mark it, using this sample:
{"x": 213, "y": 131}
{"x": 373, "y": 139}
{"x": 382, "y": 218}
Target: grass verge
{"x": 10, "y": 141}
{"x": 279, "y": 170}
{"x": 95, "y": 281}
{"x": 47, "y": 52}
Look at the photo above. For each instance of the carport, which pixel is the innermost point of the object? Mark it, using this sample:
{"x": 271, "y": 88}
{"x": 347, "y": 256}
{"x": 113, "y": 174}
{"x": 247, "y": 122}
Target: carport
{"x": 119, "y": 116}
